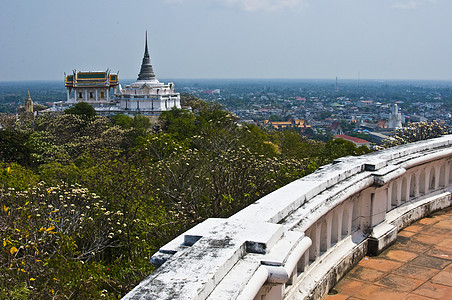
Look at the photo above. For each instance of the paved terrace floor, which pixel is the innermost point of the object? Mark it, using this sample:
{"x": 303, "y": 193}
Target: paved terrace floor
{"x": 417, "y": 267}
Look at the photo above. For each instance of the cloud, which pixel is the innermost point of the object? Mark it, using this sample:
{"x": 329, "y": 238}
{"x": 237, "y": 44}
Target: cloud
{"x": 264, "y": 5}
{"x": 412, "y": 4}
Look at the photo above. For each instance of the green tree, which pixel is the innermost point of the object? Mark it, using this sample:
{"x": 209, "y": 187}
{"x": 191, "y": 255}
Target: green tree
{"x": 336, "y": 148}
{"x": 179, "y": 122}
{"x": 82, "y": 109}
{"x": 123, "y": 121}
{"x": 16, "y": 177}
{"x": 15, "y": 147}
{"x": 275, "y": 118}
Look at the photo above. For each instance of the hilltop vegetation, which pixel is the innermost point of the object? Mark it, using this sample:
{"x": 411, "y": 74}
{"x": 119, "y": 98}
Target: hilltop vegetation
{"x": 86, "y": 200}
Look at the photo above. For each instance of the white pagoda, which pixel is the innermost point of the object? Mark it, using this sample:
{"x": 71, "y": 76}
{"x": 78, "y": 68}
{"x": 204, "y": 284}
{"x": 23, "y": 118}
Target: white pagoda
{"x": 147, "y": 94}
{"x": 395, "y": 118}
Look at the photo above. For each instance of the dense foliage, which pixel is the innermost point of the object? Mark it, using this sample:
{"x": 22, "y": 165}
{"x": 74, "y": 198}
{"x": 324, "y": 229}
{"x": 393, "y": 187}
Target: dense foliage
{"x": 86, "y": 200}
{"x": 414, "y": 132}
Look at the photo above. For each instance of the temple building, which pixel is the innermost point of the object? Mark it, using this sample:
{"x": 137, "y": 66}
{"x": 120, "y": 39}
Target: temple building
{"x": 147, "y": 94}
{"x": 91, "y": 87}
{"x": 102, "y": 90}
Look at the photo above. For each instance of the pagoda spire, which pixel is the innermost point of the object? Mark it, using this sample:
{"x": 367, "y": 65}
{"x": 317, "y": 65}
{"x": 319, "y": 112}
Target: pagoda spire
{"x": 146, "y": 45}
{"x": 146, "y": 71}
{"x": 29, "y": 104}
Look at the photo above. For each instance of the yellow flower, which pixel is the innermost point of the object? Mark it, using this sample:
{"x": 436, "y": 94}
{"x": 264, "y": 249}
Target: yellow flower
{"x": 13, "y": 250}
{"x": 50, "y": 228}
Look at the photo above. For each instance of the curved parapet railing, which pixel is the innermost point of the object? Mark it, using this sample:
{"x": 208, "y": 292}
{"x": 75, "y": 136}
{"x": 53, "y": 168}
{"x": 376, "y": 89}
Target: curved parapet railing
{"x": 298, "y": 241}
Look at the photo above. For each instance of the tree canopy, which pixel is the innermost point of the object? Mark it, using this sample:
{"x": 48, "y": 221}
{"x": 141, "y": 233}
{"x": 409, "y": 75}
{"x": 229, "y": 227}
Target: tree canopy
{"x": 81, "y": 109}
{"x": 86, "y": 200}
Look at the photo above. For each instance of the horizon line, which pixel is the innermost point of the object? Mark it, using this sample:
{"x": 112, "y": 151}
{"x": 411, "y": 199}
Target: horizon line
{"x": 249, "y": 78}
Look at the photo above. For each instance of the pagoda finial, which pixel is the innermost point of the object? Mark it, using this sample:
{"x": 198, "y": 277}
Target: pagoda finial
{"x": 146, "y": 71}
{"x": 146, "y": 47}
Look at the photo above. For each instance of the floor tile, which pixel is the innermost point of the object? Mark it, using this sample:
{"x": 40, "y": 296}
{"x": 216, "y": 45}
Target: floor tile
{"x": 445, "y": 224}
{"x": 440, "y": 252}
{"x": 350, "y": 286}
{"x": 384, "y": 265}
{"x": 444, "y": 278}
{"x": 415, "y": 228}
{"x": 448, "y": 268}
{"x": 440, "y": 217}
{"x": 400, "y": 255}
{"x": 413, "y": 246}
{"x": 437, "y": 231}
{"x": 375, "y": 292}
{"x": 400, "y": 282}
{"x": 337, "y": 297}
{"x": 404, "y": 233}
{"x": 366, "y": 274}
{"x": 418, "y": 272}
{"x": 446, "y": 243}
{"x": 416, "y": 297}
{"x": 428, "y": 221}
{"x": 433, "y": 290}
{"x": 430, "y": 262}
{"x": 427, "y": 239}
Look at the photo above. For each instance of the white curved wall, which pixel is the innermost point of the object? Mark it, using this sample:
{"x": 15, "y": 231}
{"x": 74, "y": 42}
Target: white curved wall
{"x": 297, "y": 242}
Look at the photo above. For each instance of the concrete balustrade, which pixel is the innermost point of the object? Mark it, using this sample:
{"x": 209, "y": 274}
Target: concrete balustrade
{"x": 298, "y": 241}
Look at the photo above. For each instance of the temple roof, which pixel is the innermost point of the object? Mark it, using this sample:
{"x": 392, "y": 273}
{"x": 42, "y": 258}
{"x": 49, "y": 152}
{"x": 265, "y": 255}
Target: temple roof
{"x": 146, "y": 72}
{"x": 91, "y": 79}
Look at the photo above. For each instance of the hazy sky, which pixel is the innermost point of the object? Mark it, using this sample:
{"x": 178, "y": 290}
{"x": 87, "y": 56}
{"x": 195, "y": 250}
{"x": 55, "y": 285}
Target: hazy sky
{"x": 377, "y": 39}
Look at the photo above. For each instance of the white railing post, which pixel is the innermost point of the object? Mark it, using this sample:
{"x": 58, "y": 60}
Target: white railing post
{"x": 448, "y": 179}
{"x": 390, "y": 195}
{"x": 437, "y": 169}
{"x": 417, "y": 191}
{"x": 379, "y": 206}
{"x": 399, "y": 191}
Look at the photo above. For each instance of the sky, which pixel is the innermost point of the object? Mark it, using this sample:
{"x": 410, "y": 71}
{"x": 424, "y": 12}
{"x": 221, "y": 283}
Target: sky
{"x": 348, "y": 39}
